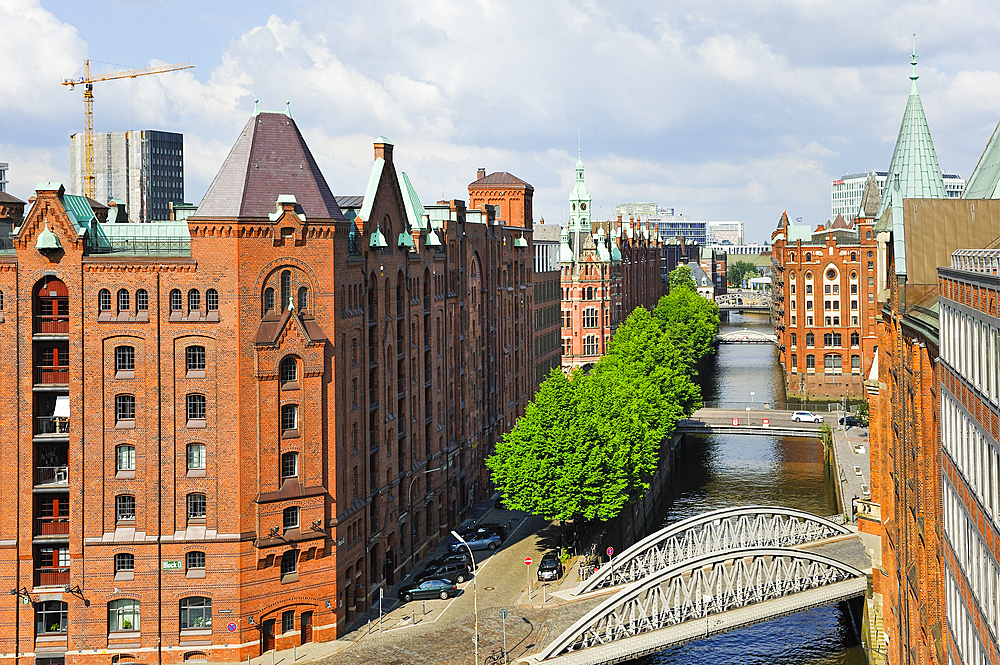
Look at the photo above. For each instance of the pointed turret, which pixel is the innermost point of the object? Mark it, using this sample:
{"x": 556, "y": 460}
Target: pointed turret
{"x": 914, "y": 167}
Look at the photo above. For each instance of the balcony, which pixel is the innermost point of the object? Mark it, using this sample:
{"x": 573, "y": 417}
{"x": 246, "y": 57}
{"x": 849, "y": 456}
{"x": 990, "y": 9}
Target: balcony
{"x": 52, "y": 375}
{"x": 47, "y": 324}
{"x": 52, "y": 426}
{"x": 52, "y": 526}
{"x": 52, "y": 576}
{"x": 47, "y": 476}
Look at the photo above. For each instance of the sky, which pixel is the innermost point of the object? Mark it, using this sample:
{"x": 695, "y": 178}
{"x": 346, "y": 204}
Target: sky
{"x": 722, "y": 110}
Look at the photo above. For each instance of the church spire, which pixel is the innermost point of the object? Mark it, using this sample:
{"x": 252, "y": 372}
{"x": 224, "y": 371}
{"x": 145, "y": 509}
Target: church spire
{"x": 913, "y": 61}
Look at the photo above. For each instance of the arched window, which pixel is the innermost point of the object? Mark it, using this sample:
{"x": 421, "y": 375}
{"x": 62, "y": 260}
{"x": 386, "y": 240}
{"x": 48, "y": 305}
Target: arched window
{"x": 124, "y": 408}
{"x": 1, "y": 301}
{"x": 810, "y": 361}
{"x": 195, "y": 456}
{"x": 125, "y": 458}
{"x": 290, "y": 518}
{"x": 289, "y": 417}
{"x": 125, "y": 508}
{"x": 290, "y": 369}
{"x": 810, "y": 339}
{"x": 195, "y": 560}
{"x": 289, "y": 465}
{"x": 141, "y": 300}
{"x": 197, "y": 506}
{"x": 51, "y": 616}
{"x": 855, "y": 339}
{"x": 268, "y": 300}
{"x": 791, "y": 257}
{"x": 195, "y": 358}
{"x": 286, "y": 289}
{"x": 809, "y": 257}
{"x": 124, "y": 359}
{"x": 196, "y": 409}
{"x": 194, "y": 300}
{"x": 123, "y": 615}
{"x": 303, "y": 298}
{"x": 104, "y": 300}
{"x": 176, "y": 300}
{"x": 854, "y": 256}
{"x": 196, "y": 612}
{"x": 590, "y": 293}
{"x": 289, "y": 562}
{"x": 124, "y": 562}
{"x": 123, "y": 300}
{"x": 212, "y": 300}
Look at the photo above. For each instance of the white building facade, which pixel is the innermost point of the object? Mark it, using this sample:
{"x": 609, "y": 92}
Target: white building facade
{"x": 845, "y": 194}
{"x": 724, "y": 233}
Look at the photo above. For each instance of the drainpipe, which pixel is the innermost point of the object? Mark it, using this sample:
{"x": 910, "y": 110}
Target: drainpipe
{"x": 159, "y": 481}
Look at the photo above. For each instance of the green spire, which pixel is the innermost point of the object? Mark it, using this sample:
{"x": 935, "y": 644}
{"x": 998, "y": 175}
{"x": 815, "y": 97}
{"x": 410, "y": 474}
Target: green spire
{"x": 913, "y": 61}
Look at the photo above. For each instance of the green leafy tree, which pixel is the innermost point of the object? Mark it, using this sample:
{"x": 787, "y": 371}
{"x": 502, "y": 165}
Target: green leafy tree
{"x": 739, "y": 271}
{"x": 681, "y": 277}
{"x": 691, "y": 321}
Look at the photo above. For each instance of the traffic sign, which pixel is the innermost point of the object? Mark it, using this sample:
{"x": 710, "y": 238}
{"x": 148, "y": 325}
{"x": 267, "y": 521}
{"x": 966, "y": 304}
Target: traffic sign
{"x": 231, "y": 627}
{"x": 527, "y": 560}
{"x": 766, "y": 422}
{"x": 611, "y": 551}
{"x": 736, "y": 421}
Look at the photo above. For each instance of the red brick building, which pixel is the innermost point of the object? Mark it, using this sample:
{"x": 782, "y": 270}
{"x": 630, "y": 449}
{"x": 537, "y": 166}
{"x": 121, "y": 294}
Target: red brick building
{"x": 824, "y": 303}
{"x": 227, "y": 434}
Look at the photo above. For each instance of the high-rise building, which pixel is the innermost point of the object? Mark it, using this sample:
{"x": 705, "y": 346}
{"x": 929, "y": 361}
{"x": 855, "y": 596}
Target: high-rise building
{"x": 845, "y": 193}
{"x": 724, "y": 233}
{"x": 3, "y": 176}
{"x": 140, "y": 169}
{"x": 297, "y": 387}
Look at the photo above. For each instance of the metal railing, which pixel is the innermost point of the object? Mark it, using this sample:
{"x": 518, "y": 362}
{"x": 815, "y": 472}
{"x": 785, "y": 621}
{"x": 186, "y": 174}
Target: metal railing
{"x": 51, "y": 475}
{"x": 51, "y": 425}
{"x": 53, "y": 526}
{"x": 48, "y": 324}
{"x": 772, "y": 406}
{"x": 52, "y": 576}
{"x": 141, "y": 246}
{"x": 52, "y": 374}
{"x": 977, "y": 260}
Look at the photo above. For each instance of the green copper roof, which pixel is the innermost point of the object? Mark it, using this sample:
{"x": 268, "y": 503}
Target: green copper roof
{"x": 984, "y": 183}
{"x": 914, "y": 168}
{"x": 47, "y": 240}
{"x": 414, "y": 208}
{"x": 373, "y": 180}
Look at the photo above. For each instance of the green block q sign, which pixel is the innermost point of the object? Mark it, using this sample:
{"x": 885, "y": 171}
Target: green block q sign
{"x": 171, "y": 565}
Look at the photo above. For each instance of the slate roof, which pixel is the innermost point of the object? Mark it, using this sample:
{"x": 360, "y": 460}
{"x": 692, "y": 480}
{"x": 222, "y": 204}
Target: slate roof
{"x": 269, "y": 158}
{"x": 350, "y": 201}
{"x": 984, "y": 183}
{"x": 501, "y": 179}
{"x": 870, "y": 198}
{"x": 840, "y": 223}
{"x": 272, "y": 325}
{"x": 9, "y": 198}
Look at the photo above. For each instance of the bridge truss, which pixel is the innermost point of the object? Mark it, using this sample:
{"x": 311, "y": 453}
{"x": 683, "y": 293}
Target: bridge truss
{"x": 746, "y": 337}
{"x": 725, "y": 529}
{"x": 699, "y": 587}
{"x": 745, "y": 300}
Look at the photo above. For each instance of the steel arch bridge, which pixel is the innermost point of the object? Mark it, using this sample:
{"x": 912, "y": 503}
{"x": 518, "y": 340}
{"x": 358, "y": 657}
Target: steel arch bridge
{"x": 745, "y": 300}
{"x": 725, "y": 529}
{"x": 746, "y": 337}
{"x": 700, "y": 587}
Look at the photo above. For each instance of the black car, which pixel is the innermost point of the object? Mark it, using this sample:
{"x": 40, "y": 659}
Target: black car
{"x": 455, "y": 571}
{"x": 851, "y": 421}
{"x": 457, "y": 557}
{"x": 549, "y": 568}
{"x": 432, "y": 588}
{"x": 498, "y": 529}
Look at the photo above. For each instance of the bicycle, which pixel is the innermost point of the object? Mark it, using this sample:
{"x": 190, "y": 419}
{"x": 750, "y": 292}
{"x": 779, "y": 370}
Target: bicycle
{"x": 497, "y": 657}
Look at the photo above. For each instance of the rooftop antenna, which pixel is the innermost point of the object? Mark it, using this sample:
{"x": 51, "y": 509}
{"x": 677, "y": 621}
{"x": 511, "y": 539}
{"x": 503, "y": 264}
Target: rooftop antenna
{"x": 288, "y": 108}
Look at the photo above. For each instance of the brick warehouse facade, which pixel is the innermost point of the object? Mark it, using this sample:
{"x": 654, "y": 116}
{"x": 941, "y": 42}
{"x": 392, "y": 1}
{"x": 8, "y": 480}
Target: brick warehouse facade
{"x": 288, "y": 400}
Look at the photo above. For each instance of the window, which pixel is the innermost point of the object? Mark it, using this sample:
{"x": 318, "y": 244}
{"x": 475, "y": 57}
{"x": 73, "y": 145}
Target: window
{"x": 104, "y": 300}
{"x": 124, "y": 562}
{"x": 123, "y": 300}
{"x": 286, "y": 289}
{"x": 855, "y": 339}
{"x": 809, "y": 320}
{"x": 871, "y": 265}
{"x": 289, "y": 562}
{"x": 124, "y": 359}
{"x": 854, "y": 256}
{"x": 196, "y": 612}
{"x": 831, "y": 274}
{"x": 854, "y": 289}
{"x": 124, "y": 408}
{"x": 195, "y": 560}
{"x": 288, "y": 621}
{"x": 856, "y": 364}
{"x": 141, "y": 300}
{"x": 289, "y": 465}
{"x": 590, "y": 293}
{"x": 590, "y": 345}
{"x": 810, "y": 361}
{"x": 212, "y": 300}
{"x": 290, "y": 518}
{"x": 51, "y": 617}
{"x": 809, "y": 289}
{"x": 289, "y": 417}
{"x": 195, "y": 358}
{"x": 810, "y": 339}
{"x": 826, "y": 289}
{"x": 123, "y": 615}
{"x": 176, "y": 300}
{"x": 303, "y": 298}
{"x": 590, "y": 317}
{"x": 125, "y": 507}
{"x": 268, "y": 299}
{"x": 196, "y": 407}
{"x": 832, "y": 362}
{"x": 125, "y": 458}
{"x": 194, "y": 300}
{"x": 195, "y": 456}
{"x": 794, "y": 338}
{"x": 809, "y": 256}
{"x": 289, "y": 370}
{"x": 196, "y": 506}
{"x": 809, "y": 305}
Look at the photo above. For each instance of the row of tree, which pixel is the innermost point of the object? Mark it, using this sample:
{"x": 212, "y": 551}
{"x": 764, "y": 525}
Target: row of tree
{"x": 588, "y": 444}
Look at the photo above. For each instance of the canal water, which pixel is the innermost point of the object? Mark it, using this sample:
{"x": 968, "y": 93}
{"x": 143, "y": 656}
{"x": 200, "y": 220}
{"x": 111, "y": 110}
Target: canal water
{"x": 727, "y": 470}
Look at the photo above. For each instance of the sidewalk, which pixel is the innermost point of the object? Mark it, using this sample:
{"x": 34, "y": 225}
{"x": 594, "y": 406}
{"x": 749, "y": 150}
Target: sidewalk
{"x": 848, "y": 461}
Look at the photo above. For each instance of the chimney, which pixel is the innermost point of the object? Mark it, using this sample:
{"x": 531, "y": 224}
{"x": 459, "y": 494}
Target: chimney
{"x": 383, "y": 149}
{"x": 480, "y": 173}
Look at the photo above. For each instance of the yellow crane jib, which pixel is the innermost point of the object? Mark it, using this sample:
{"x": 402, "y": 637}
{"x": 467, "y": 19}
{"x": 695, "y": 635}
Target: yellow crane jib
{"x": 89, "y": 181}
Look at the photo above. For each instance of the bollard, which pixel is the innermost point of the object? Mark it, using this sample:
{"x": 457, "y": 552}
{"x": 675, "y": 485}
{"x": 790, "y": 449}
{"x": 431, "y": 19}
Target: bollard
{"x": 543, "y": 593}
{"x": 294, "y": 657}
{"x": 423, "y": 606}
{"x": 369, "y": 626}
{"x": 413, "y": 617}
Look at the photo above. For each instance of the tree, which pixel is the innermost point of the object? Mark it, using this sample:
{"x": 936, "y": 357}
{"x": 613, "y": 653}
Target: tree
{"x": 691, "y": 321}
{"x": 739, "y": 271}
{"x": 681, "y": 277}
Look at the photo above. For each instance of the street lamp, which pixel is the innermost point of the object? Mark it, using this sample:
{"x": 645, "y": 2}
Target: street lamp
{"x": 409, "y": 506}
{"x": 475, "y": 603}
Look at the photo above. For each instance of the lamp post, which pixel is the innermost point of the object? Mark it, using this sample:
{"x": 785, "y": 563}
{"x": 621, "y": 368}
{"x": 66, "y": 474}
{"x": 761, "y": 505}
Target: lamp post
{"x": 475, "y": 603}
{"x": 409, "y": 506}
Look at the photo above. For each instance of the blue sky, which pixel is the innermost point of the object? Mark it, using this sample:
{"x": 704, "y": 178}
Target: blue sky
{"x": 722, "y": 110}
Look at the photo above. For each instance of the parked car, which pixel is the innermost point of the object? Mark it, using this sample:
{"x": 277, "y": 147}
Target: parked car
{"x": 474, "y": 531}
{"x": 549, "y": 568}
{"x": 457, "y": 557}
{"x": 806, "y": 417}
{"x": 432, "y": 588}
{"x": 455, "y": 571}
{"x": 477, "y": 541}
{"x": 851, "y": 421}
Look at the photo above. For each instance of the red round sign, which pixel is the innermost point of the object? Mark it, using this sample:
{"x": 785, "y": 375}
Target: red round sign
{"x": 611, "y": 551}
{"x": 527, "y": 560}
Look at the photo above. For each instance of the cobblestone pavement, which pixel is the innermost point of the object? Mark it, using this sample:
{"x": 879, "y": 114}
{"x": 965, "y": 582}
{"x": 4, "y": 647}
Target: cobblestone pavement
{"x": 848, "y": 462}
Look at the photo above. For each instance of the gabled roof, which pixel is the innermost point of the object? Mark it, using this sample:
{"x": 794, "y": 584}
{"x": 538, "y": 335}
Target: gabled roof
{"x": 269, "y": 158}
{"x": 272, "y": 325}
{"x": 10, "y": 198}
{"x": 914, "y": 162}
{"x": 840, "y": 223}
{"x": 414, "y": 208}
{"x": 984, "y": 183}
{"x": 870, "y": 198}
{"x": 350, "y": 202}
{"x": 501, "y": 179}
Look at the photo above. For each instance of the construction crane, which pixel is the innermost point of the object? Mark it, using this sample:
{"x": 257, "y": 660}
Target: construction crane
{"x": 89, "y": 181}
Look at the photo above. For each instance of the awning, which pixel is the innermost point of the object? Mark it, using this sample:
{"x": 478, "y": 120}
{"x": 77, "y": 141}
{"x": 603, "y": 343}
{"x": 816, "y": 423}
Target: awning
{"x": 62, "y": 407}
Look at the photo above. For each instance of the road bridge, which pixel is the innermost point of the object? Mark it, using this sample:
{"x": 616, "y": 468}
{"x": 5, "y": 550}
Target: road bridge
{"x": 746, "y": 337}
{"x": 734, "y": 421}
{"x": 744, "y": 301}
